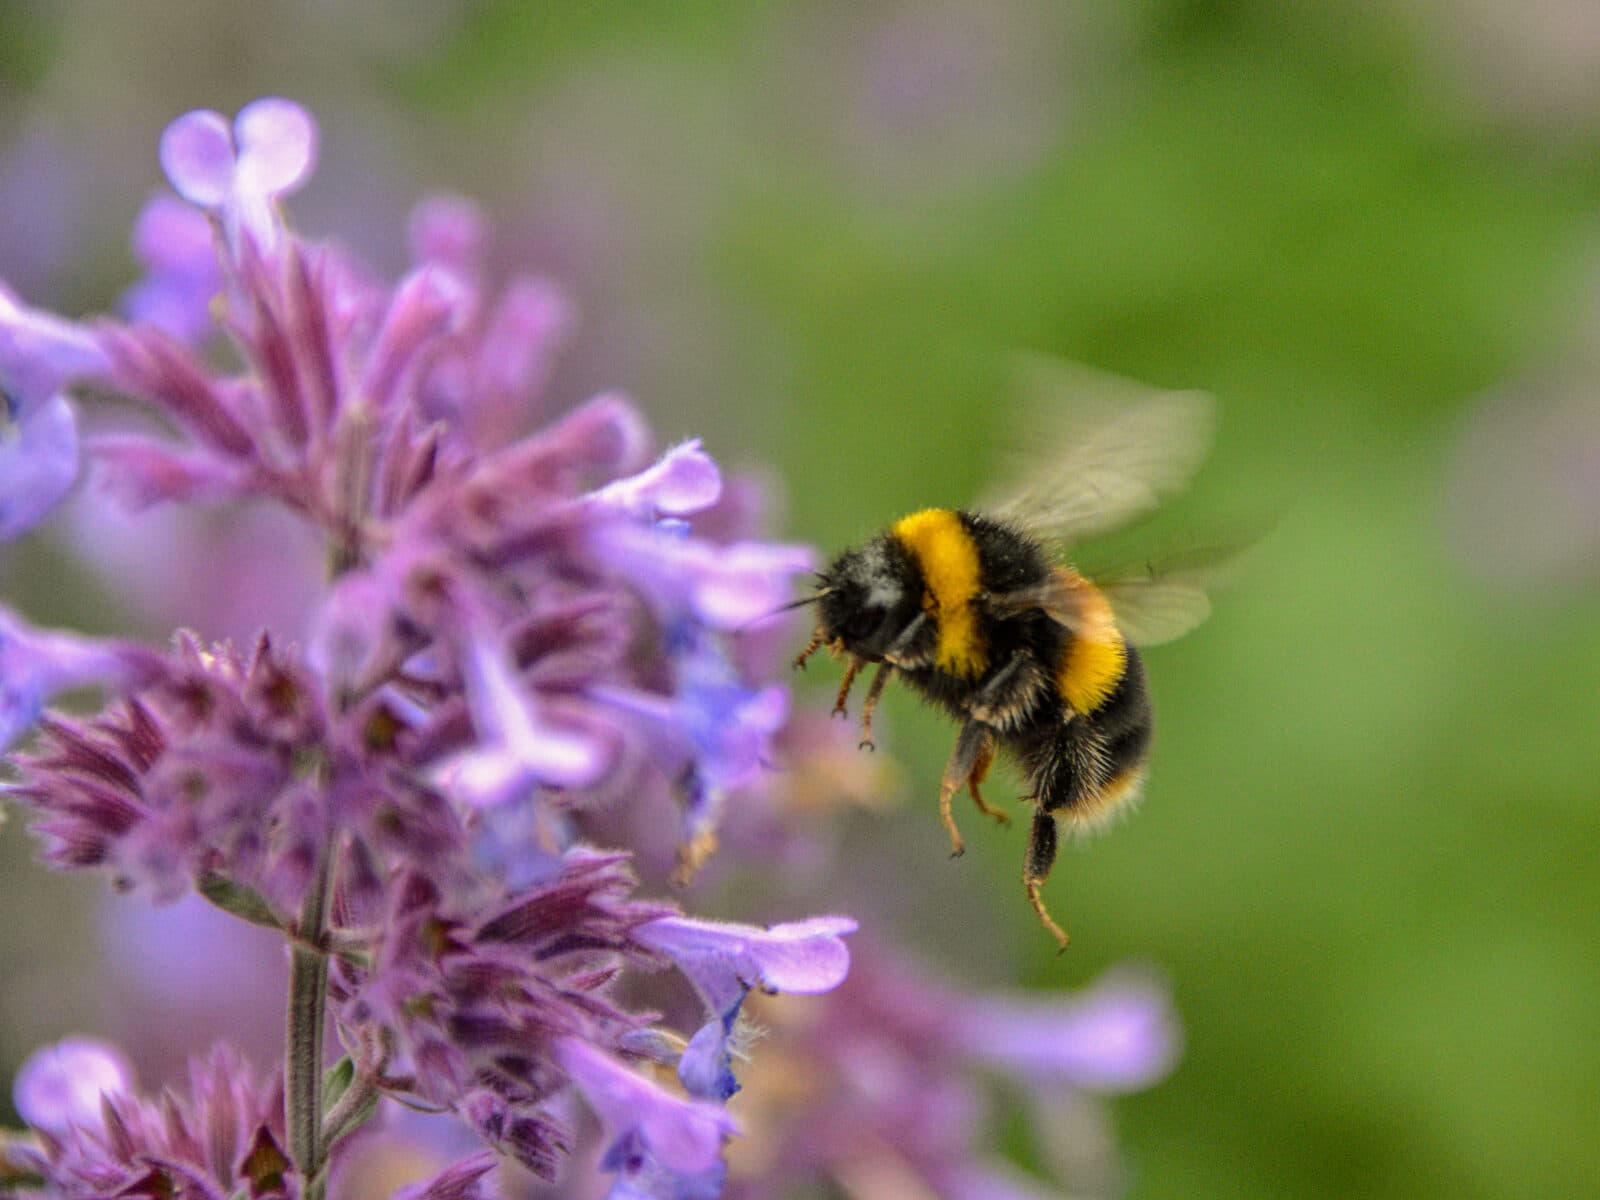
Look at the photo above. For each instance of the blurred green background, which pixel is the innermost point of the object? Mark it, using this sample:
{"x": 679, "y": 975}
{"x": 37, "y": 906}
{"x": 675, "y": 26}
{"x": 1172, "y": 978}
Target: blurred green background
{"x": 812, "y": 233}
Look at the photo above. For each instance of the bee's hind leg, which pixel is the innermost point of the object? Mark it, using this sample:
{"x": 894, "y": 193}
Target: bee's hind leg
{"x": 970, "y": 746}
{"x": 980, "y": 771}
{"x": 1036, "y": 869}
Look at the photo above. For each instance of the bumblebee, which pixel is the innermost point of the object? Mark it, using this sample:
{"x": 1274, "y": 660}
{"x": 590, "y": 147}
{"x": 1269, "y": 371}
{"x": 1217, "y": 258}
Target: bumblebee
{"x": 978, "y": 612}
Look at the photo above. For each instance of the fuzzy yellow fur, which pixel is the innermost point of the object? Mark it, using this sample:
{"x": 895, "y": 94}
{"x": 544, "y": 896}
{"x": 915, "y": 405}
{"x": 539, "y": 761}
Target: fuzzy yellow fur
{"x": 948, "y": 557}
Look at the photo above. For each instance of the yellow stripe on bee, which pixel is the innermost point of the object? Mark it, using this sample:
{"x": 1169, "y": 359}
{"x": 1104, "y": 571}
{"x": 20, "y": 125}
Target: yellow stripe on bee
{"x": 948, "y": 557}
{"x": 1096, "y": 656}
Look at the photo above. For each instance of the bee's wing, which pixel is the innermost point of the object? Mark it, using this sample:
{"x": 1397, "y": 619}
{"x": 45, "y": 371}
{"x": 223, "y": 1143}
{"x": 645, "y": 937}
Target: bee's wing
{"x": 1148, "y": 605}
{"x": 1149, "y": 612}
{"x": 1102, "y": 450}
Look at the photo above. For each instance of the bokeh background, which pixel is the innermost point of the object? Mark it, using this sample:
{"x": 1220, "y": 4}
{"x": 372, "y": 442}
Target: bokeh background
{"x": 813, "y": 233}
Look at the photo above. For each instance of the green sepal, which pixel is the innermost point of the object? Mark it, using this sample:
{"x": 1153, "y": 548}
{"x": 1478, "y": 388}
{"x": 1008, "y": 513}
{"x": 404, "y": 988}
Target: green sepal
{"x": 335, "y": 1084}
{"x": 336, "y": 1080}
{"x": 243, "y": 902}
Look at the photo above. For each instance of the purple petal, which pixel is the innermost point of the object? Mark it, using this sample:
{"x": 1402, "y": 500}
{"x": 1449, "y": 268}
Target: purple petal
{"x": 463, "y": 1181}
{"x": 36, "y": 664}
{"x": 169, "y": 236}
{"x": 521, "y": 749}
{"x": 448, "y": 231}
{"x": 139, "y": 472}
{"x": 1119, "y": 1036}
{"x": 197, "y": 155}
{"x": 61, "y": 1085}
{"x": 725, "y": 586}
{"x": 725, "y": 959}
{"x": 38, "y": 464}
{"x": 277, "y": 146}
{"x": 175, "y": 244}
{"x": 427, "y": 304}
{"x": 685, "y": 1136}
{"x": 684, "y": 481}
{"x": 39, "y": 355}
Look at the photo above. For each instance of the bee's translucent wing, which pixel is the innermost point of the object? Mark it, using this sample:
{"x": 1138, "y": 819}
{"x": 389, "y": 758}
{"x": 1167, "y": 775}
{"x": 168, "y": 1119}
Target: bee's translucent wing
{"x": 1149, "y": 612}
{"x": 1147, "y": 605}
{"x": 1102, "y": 450}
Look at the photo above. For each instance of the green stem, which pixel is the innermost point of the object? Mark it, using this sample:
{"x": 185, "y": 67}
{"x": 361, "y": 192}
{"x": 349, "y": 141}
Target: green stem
{"x": 308, "y": 997}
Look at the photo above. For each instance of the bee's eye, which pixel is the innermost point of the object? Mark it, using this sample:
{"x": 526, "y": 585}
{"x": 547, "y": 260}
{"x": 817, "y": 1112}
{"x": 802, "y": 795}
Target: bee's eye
{"x": 862, "y": 622}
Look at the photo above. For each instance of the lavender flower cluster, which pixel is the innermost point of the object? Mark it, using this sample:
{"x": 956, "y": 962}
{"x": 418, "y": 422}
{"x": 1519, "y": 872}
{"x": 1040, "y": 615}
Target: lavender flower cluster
{"x": 523, "y": 627}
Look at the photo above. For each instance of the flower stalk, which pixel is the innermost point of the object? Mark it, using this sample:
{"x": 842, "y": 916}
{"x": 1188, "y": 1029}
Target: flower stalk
{"x": 308, "y": 1002}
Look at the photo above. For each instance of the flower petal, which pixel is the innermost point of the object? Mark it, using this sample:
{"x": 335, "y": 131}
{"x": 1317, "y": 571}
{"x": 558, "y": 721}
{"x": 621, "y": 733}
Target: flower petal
{"x": 38, "y": 464}
{"x": 685, "y": 1136}
{"x": 725, "y": 959}
{"x": 61, "y": 1085}
{"x": 197, "y": 155}
{"x": 1120, "y": 1035}
{"x": 684, "y": 481}
{"x": 277, "y": 146}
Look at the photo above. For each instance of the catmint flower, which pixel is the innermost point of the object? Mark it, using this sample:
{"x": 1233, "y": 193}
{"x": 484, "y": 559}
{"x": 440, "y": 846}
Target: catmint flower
{"x": 182, "y": 278}
{"x": 725, "y": 961}
{"x": 894, "y": 1072}
{"x": 1119, "y": 1035}
{"x": 521, "y": 629}
{"x": 238, "y": 171}
{"x": 38, "y": 664}
{"x": 225, "y": 1135}
{"x": 661, "y": 1146}
{"x": 60, "y": 1086}
{"x": 39, "y": 356}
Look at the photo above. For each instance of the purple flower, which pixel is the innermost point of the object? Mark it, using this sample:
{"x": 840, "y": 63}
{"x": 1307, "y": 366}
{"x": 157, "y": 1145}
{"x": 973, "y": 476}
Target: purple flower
{"x": 224, "y": 1137}
{"x": 39, "y": 356}
{"x": 519, "y": 750}
{"x": 60, "y": 1086}
{"x": 521, "y": 630}
{"x": 37, "y": 664}
{"x": 1120, "y": 1035}
{"x": 657, "y": 1139}
{"x": 239, "y": 171}
{"x": 890, "y": 1076}
{"x": 725, "y": 961}
{"x": 182, "y": 277}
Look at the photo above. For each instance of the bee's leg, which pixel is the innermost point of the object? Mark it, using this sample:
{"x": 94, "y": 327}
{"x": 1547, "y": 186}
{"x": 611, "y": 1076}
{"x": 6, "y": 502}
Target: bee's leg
{"x": 1036, "y": 869}
{"x": 980, "y": 770}
{"x": 1007, "y": 693}
{"x": 851, "y": 670}
{"x": 879, "y": 681}
{"x": 957, "y": 773}
{"x": 815, "y": 644}
{"x": 901, "y": 645}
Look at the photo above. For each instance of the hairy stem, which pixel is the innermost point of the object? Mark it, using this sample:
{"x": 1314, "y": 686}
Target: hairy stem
{"x": 308, "y": 997}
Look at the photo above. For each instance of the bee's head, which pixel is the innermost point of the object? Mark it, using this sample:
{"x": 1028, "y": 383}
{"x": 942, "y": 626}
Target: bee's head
{"x": 869, "y": 595}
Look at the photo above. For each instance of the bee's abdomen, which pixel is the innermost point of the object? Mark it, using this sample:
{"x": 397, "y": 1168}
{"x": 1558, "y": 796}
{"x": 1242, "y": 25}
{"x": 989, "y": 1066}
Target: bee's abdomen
{"x": 1094, "y": 659}
{"x": 1089, "y": 766}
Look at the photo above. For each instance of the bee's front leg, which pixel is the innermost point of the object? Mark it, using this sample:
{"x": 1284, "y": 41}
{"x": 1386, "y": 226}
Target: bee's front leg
{"x": 851, "y": 670}
{"x": 815, "y": 644}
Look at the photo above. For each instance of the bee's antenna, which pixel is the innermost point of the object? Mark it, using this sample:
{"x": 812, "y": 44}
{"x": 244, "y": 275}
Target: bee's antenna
{"x": 783, "y": 608}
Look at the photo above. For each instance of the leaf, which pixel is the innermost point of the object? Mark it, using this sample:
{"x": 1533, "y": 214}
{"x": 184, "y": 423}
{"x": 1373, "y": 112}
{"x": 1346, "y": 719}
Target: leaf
{"x": 243, "y": 902}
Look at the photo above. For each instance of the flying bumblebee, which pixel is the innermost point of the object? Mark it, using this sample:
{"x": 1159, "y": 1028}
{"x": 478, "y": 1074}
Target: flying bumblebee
{"x": 977, "y": 611}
